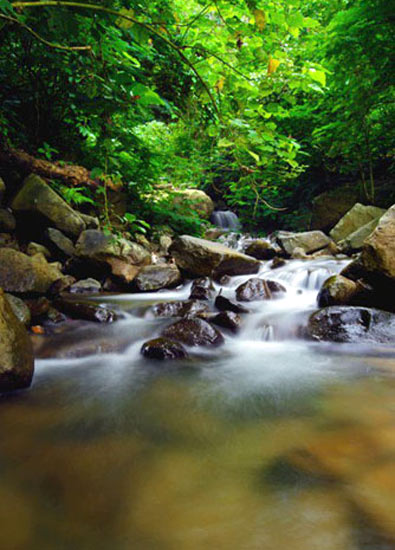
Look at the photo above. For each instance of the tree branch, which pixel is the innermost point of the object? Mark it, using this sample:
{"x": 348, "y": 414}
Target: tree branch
{"x": 41, "y": 39}
{"x": 94, "y": 7}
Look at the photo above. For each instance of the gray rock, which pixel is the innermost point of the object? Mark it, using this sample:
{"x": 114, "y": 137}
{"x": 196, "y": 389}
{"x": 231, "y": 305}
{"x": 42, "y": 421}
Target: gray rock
{"x": 352, "y": 324}
{"x": 20, "y": 309}
{"x": 355, "y": 240}
{"x": 228, "y": 320}
{"x": 37, "y": 197}
{"x": 85, "y": 311}
{"x": 85, "y": 286}
{"x": 308, "y": 241}
{"x": 61, "y": 245}
{"x": 91, "y": 222}
{"x": 155, "y": 277}
{"x": 200, "y": 257}
{"x": 224, "y": 304}
{"x": 7, "y": 221}
{"x": 330, "y": 206}
{"x": 357, "y": 217}
{"x": 97, "y": 245}
{"x": 22, "y": 274}
{"x": 193, "y": 199}
{"x": 262, "y": 249}
{"x": 16, "y": 352}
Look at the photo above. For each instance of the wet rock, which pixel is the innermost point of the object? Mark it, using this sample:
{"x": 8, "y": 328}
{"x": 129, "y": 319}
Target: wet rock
{"x": 163, "y": 349}
{"x": 262, "y": 250}
{"x": 35, "y": 248}
{"x": 61, "y": 285}
{"x": 202, "y": 289}
{"x": 200, "y": 257}
{"x": 20, "y": 309}
{"x": 37, "y": 197}
{"x": 179, "y": 309}
{"x": 61, "y": 245}
{"x": 85, "y": 311}
{"x": 258, "y": 289}
{"x": 352, "y": 324}
{"x": 194, "y": 199}
{"x": 299, "y": 254}
{"x": 308, "y": 241}
{"x": 277, "y": 262}
{"x": 337, "y": 290}
{"x": 16, "y": 353}
{"x": 358, "y": 216}
{"x": 227, "y": 319}
{"x": 194, "y": 332}
{"x": 224, "y": 304}
{"x": 22, "y": 274}
{"x": 7, "y": 221}
{"x": 378, "y": 254}
{"x": 85, "y": 286}
{"x": 155, "y": 277}
{"x": 123, "y": 272}
{"x": 164, "y": 244}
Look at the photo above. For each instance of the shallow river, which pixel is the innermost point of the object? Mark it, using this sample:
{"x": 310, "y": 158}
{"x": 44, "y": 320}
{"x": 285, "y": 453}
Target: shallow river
{"x": 268, "y": 442}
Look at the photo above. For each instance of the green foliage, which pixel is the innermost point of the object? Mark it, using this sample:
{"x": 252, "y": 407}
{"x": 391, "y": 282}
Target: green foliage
{"x": 238, "y": 98}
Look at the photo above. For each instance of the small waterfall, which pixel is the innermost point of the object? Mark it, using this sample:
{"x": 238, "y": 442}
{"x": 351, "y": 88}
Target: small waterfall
{"x": 226, "y": 219}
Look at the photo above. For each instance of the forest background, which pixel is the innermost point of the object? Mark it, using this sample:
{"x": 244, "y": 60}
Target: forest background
{"x": 263, "y": 104}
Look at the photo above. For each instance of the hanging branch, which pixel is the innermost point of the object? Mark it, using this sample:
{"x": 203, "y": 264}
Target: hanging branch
{"x": 41, "y": 39}
{"x": 149, "y": 27}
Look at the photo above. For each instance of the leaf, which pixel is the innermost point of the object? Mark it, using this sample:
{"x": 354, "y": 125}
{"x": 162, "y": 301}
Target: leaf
{"x": 125, "y": 23}
{"x": 260, "y": 19}
{"x": 6, "y": 6}
{"x": 225, "y": 143}
{"x": 220, "y": 84}
{"x": 272, "y": 65}
{"x": 254, "y": 155}
{"x": 318, "y": 76}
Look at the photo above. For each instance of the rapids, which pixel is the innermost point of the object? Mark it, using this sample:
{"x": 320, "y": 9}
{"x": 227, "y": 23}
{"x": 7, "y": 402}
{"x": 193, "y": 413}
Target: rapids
{"x": 267, "y": 442}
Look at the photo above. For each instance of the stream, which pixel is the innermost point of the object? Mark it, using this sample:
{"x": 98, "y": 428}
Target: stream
{"x": 267, "y": 442}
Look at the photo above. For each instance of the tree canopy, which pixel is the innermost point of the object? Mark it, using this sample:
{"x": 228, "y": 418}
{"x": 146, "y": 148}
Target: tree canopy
{"x": 262, "y": 102}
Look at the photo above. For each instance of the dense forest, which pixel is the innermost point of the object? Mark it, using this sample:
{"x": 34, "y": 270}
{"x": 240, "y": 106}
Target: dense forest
{"x": 263, "y": 104}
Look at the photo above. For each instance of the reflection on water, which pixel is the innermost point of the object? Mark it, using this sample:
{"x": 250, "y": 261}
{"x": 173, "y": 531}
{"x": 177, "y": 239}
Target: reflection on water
{"x": 261, "y": 444}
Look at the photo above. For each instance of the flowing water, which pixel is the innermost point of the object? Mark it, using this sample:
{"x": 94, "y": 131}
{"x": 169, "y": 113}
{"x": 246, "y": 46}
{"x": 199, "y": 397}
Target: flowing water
{"x": 226, "y": 219}
{"x": 267, "y": 442}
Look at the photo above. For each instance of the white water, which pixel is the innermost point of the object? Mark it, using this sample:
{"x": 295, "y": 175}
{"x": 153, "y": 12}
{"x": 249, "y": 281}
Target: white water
{"x": 226, "y": 219}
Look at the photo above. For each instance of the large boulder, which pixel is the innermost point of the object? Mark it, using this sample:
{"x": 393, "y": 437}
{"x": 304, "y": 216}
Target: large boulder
{"x": 155, "y": 277}
{"x": 308, "y": 241}
{"x": 352, "y": 324}
{"x": 25, "y": 274}
{"x": 358, "y": 216}
{"x": 199, "y": 257}
{"x": 194, "y": 199}
{"x": 16, "y": 352}
{"x": 61, "y": 246}
{"x": 194, "y": 332}
{"x": 378, "y": 254}
{"x": 355, "y": 241}
{"x": 99, "y": 253}
{"x": 330, "y": 206}
{"x": 179, "y": 309}
{"x": 36, "y": 197}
